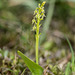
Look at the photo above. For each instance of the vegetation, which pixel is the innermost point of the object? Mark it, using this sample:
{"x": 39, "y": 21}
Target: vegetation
{"x": 39, "y": 15}
{"x": 52, "y": 53}
{"x": 72, "y": 71}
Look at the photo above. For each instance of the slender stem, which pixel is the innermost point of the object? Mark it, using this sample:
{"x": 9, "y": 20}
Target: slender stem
{"x": 37, "y": 40}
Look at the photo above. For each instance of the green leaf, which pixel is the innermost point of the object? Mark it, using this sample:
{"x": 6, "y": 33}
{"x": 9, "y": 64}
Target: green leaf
{"x": 33, "y": 67}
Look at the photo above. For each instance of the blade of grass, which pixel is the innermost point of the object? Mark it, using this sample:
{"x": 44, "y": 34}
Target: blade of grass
{"x": 67, "y": 72}
{"x": 23, "y": 72}
{"x": 73, "y": 60}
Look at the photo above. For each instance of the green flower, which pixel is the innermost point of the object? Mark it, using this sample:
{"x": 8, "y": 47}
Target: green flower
{"x": 39, "y": 15}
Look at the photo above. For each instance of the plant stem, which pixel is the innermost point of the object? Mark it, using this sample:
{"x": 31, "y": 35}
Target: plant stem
{"x": 37, "y": 39}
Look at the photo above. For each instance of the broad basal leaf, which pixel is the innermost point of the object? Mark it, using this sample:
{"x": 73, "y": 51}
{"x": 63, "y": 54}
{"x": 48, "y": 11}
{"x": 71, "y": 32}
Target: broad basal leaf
{"x": 33, "y": 67}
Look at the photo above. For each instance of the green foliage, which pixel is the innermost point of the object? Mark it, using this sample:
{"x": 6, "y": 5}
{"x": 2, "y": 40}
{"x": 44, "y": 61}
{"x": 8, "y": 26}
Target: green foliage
{"x": 55, "y": 70}
{"x": 67, "y": 71}
{"x": 15, "y": 25}
{"x": 23, "y": 71}
{"x": 3, "y": 4}
{"x": 4, "y": 53}
{"x": 61, "y": 7}
{"x": 9, "y": 63}
{"x": 34, "y": 68}
{"x": 72, "y": 11}
{"x": 72, "y": 60}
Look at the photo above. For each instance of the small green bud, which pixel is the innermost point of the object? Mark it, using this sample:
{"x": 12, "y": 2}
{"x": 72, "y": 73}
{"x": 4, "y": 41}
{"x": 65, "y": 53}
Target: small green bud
{"x": 43, "y": 3}
{"x": 34, "y": 28}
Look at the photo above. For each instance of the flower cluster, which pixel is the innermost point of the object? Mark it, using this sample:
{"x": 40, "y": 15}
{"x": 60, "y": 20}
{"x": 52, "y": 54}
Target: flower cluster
{"x": 39, "y": 14}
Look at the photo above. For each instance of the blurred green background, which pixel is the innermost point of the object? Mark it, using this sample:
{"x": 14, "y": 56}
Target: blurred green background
{"x": 16, "y": 28}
